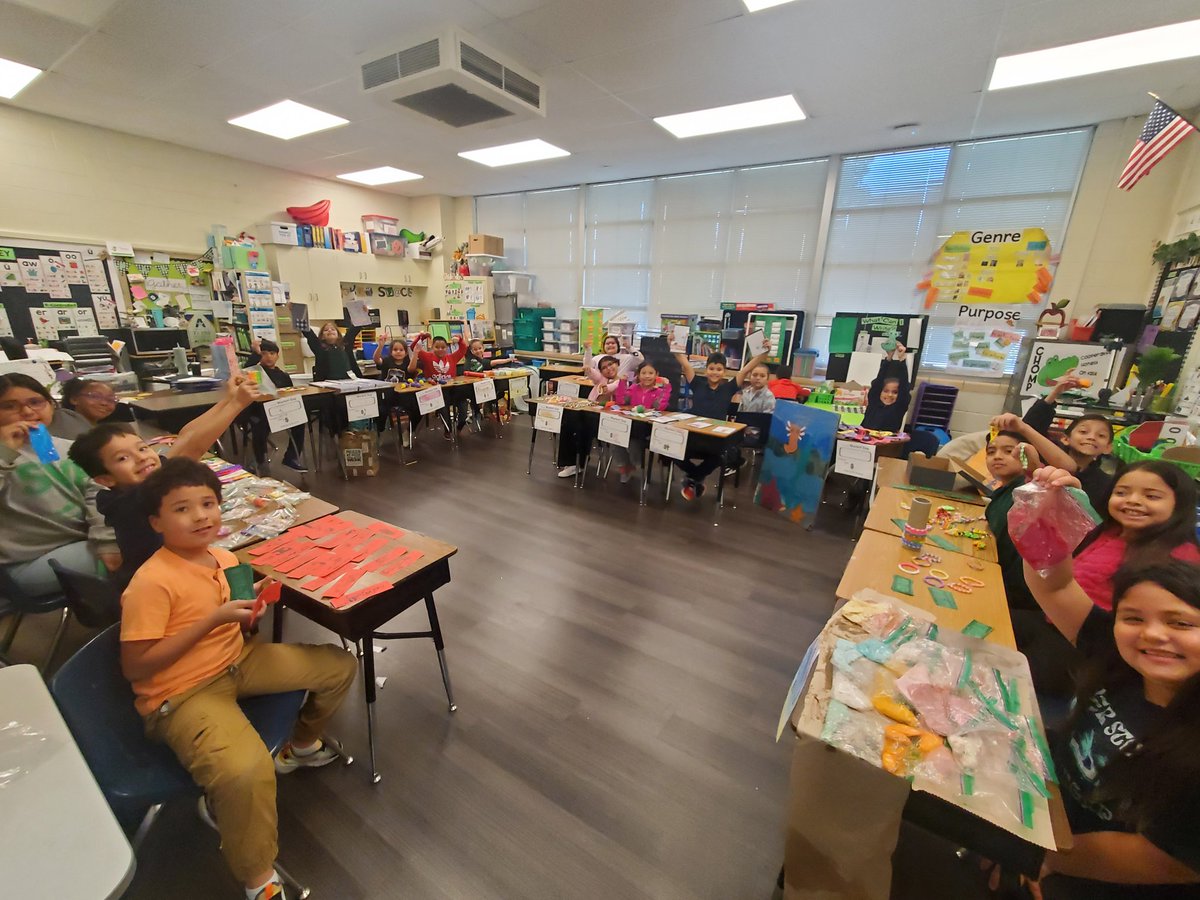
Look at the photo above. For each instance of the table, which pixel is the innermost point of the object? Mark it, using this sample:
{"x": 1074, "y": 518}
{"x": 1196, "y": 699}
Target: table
{"x": 360, "y": 621}
{"x": 58, "y": 837}
{"x": 889, "y": 504}
{"x": 456, "y": 390}
{"x": 550, "y": 371}
{"x": 308, "y": 511}
{"x": 701, "y": 442}
{"x": 875, "y": 560}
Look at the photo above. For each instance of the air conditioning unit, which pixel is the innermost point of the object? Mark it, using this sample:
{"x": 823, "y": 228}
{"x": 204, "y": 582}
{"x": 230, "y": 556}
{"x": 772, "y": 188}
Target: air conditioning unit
{"x": 454, "y": 78}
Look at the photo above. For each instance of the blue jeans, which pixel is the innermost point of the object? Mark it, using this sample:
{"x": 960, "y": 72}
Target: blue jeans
{"x": 37, "y": 579}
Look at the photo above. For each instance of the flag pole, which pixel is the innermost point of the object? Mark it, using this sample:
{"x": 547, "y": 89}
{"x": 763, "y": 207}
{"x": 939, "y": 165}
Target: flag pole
{"x": 1172, "y": 109}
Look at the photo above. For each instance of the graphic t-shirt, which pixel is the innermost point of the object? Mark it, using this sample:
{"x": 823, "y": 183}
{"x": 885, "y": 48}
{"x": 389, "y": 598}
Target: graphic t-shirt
{"x": 1114, "y": 722}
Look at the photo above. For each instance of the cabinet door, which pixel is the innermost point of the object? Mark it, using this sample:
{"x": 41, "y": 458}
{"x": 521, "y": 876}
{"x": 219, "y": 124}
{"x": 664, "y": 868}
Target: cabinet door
{"x": 325, "y": 282}
{"x": 290, "y": 264}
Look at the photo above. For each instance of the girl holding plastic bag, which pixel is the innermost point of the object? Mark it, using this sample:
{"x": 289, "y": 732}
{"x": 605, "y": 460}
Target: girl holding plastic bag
{"x": 1128, "y": 765}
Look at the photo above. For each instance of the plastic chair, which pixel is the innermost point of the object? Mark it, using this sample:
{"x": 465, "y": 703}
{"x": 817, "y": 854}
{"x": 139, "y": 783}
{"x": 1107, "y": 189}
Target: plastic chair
{"x": 19, "y": 605}
{"x": 94, "y": 601}
{"x": 137, "y": 775}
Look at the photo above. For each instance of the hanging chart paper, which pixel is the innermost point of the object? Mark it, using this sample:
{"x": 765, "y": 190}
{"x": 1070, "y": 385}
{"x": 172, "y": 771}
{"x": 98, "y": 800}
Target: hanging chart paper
{"x": 615, "y": 429}
{"x": 93, "y": 270}
{"x": 363, "y": 405}
{"x": 430, "y": 400}
{"x": 10, "y": 275}
{"x": 667, "y": 440}
{"x": 106, "y": 310}
{"x": 548, "y": 418}
{"x": 485, "y": 390}
{"x": 284, "y": 413}
{"x": 73, "y": 267}
{"x": 5, "y": 325}
{"x": 31, "y": 274}
{"x": 85, "y": 322}
{"x": 45, "y": 324}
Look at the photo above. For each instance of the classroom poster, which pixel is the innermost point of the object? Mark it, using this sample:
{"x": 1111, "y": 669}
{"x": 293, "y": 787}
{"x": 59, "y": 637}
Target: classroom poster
{"x": 1052, "y": 360}
{"x": 93, "y": 270}
{"x": 10, "y": 275}
{"x": 45, "y": 324}
{"x": 5, "y": 325}
{"x": 977, "y": 349}
{"x": 72, "y": 261}
{"x": 794, "y": 463}
{"x": 85, "y": 322}
{"x": 106, "y": 310}
{"x": 31, "y": 274}
{"x": 54, "y": 275}
{"x": 591, "y": 328}
{"x": 1008, "y": 266}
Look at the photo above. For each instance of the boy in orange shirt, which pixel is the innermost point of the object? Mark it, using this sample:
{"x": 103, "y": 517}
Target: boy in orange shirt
{"x": 183, "y": 651}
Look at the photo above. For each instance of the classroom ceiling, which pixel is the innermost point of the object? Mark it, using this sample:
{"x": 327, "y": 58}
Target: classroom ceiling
{"x": 177, "y": 71}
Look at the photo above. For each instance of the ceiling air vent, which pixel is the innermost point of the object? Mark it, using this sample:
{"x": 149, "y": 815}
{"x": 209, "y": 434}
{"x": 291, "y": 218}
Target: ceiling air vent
{"x": 453, "y": 78}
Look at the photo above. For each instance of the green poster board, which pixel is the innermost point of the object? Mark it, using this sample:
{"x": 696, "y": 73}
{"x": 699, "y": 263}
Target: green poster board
{"x": 776, "y": 328}
{"x": 591, "y": 327}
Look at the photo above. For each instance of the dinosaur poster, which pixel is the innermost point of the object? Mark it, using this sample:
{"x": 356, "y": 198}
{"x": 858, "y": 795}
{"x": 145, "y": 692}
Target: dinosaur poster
{"x": 1052, "y": 360}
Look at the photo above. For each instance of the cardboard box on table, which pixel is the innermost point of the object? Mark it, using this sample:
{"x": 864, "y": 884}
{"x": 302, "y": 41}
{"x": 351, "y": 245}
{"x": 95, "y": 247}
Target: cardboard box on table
{"x": 844, "y": 813}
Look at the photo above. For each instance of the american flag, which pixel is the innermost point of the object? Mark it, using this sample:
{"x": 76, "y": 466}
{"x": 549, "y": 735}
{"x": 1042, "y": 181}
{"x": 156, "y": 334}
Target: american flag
{"x": 1163, "y": 130}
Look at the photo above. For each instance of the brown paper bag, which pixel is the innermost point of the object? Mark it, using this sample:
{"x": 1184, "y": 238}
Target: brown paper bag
{"x": 360, "y": 453}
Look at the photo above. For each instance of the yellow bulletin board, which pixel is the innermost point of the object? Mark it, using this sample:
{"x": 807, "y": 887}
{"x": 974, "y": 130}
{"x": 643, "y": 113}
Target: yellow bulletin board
{"x": 991, "y": 267}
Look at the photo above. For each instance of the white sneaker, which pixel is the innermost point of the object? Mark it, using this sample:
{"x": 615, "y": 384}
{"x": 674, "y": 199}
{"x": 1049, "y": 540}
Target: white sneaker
{"x": 567, "y": 471}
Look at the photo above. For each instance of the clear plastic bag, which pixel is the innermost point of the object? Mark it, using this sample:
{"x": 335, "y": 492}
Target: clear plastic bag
{"x": 1046, "y": 524}
{"x": 21, "y": 749}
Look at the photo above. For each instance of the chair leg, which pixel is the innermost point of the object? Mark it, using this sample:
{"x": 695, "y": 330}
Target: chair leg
{"x": 10, "y": 632}
{"x": 144, "y": 827}
{"x": 58, "y": 636}
{"x": 295, "y": 888}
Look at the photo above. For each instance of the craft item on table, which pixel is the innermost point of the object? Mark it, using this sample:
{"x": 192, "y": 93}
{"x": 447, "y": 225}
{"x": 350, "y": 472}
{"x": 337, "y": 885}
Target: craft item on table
{"x": 1047, "y": 524}
{"x": 917, "y": 526}
{"x": 971, "y": 581}
{"x": 934, "y": 581}
{"x": 902, "y": 585}
{"x": 909, "y": 568}
{"x": 241, "y": 582}
{"x": 42, "y": 444}
{"x": 977, "y": 629}
{"x": 268, "y": 596}
{"x": 942, "y": 597}
{"x": 975, "y": 564}
{"x": 941, "y": 542}
{"x": 960, "y": 587}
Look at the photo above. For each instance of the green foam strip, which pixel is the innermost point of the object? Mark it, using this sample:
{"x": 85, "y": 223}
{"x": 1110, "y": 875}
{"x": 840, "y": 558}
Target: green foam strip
{"x": 902, "y": 585}
{"x": 942, "y": 542}
{"x": 943, "y": 597}
{"x": 977, "y": 629}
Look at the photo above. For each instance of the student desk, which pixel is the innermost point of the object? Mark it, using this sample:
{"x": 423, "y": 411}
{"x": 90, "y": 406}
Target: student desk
{"x": 455, "y": 391}
{"x": 875, "y": 560}
{"x": 889, "y": 504}
{"x": 360, "y": 621}
{"x": 701, "y": 441}
{"x": 551, "y": 371}
{"x": 58, "y": 836}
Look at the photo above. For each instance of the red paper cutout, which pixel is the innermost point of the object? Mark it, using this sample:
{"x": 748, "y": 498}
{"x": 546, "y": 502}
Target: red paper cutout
{"x": 316, "y": 584}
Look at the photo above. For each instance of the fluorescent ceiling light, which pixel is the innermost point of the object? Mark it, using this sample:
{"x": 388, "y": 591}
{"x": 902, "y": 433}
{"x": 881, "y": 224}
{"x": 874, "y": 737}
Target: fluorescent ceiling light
{"x": 382, "y": 175}
{"x": 754, "y": 114}
{"x": 14, "y": 76}
{"x": 756, "y": 5}
{"x": 1121, "y": 51}
{"x": 288, "y": 119}
{"x": 510, "y": 154}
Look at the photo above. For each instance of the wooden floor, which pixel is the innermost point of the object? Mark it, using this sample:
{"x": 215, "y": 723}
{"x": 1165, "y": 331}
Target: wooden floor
{"x": 619, "y": 673}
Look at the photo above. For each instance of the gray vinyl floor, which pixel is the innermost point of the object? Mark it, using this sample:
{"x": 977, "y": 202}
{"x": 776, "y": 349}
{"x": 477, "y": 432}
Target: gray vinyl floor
{"x": 619, "y": 673}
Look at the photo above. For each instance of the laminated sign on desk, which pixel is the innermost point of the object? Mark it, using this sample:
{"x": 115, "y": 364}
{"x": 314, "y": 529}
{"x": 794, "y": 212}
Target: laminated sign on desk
{"x": 548, "y": 418}
{"x": 615, "y": 429}
{"x": 285, "y": 413}
{"x": 430, "y": 400}
{"x": 485, "y": 390}
{"x": 667, "y": 440}
{"x": 364, "y": 405}
{"x": 566, "y": 388}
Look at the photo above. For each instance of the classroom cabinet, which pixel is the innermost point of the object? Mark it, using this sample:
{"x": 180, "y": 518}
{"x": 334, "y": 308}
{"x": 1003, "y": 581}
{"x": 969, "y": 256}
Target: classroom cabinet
{"x": 315, "y": 276}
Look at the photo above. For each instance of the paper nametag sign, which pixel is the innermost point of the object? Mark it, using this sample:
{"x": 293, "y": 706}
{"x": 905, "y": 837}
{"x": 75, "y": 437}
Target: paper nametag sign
{"x": 485, "y": 390}
{"x": 548, "y": 418}
{"x": 363, "y": 405}
{"x": 430, "y": 399}
{"x": 357, "y": 309}
{"x": 615, "y": 429}
{"x": 666, "y": 440}
{"x": 287, "y": 412}
{"x": 567, "y": 388}
{"x": 757, "y": 343}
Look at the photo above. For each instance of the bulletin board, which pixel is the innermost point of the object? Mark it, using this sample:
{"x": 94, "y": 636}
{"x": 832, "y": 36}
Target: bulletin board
{"x": 866, "y": 332}
{"x": 53, "y": 291}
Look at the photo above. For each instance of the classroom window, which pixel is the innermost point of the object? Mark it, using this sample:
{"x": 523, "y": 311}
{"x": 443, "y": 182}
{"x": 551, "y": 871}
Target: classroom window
{"x": 618, "y": 232}
{"x": 541, "y": 234}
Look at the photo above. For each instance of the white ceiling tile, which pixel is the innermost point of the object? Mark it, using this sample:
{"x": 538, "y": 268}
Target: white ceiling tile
{"x": 33, "y": 37}
{"x": 85, "y": 13}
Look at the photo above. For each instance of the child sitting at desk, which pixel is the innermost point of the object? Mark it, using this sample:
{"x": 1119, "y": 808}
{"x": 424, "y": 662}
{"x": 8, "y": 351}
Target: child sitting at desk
{"x": 756, "y": 396}
{"x": 474, "y": 361}
{"x": 648, "y": 391}
{"x": 782, "y": 385}
{"x": 1127, "y": 766}
{"x": 34, "y": 404}
{"x": 333, "y": 354}
{"x": 1087, "y": 439}
{"x": 611, "y": 346}
{"x": 396, "y": 367}
{"x": 121, "y": 461}
{"x": 266, "y": 354}
{"x": 890, "y": 393}
{"x": 49, "y": 508}
{"x": 712, "y": 394}
{"x": 183, "y": 650}
{"x": 572, "y": 441}
{"x": 93, "y": 401}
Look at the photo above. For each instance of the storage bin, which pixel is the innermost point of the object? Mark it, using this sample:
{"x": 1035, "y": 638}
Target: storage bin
{"x": 381, "y": 224}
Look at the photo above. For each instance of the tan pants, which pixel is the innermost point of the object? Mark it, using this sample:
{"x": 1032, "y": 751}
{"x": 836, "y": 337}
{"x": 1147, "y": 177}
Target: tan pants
{"x": 226, "y": 757}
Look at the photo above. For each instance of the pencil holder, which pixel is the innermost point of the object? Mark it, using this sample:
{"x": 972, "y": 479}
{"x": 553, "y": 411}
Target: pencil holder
{"x": 917, "y": 526}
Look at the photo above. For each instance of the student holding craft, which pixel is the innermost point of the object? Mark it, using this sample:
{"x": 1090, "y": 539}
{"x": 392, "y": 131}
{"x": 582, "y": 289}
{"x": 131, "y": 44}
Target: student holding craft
{"x": 266, "y": 355}
{"x": 712, "y": 395}
{"x": 648, "y": 391}
{"x": 184, "y": 653}
{"x": 889, "y": 394}
{"x": 48, "y": 507}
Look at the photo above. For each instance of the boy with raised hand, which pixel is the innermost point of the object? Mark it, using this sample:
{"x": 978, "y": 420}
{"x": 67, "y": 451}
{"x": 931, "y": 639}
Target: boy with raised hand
{"x": 712, "y": 394}
{"x": 119, "y": 460}
{"x": 266, "y": 354}
{"x": 183, "y": 651}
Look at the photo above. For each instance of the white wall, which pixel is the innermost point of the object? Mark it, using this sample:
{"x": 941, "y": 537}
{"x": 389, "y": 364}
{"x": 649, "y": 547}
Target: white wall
{"x": 67, "y": 181}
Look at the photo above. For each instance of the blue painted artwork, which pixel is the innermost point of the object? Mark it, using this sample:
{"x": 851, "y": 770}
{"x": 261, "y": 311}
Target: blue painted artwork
{"x": 796, "y": 456}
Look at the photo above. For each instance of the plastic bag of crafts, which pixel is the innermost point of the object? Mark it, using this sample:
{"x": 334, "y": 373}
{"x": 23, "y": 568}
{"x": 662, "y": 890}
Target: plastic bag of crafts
{"x": 857, "y": 733}
{"x": 1046, "y": 524}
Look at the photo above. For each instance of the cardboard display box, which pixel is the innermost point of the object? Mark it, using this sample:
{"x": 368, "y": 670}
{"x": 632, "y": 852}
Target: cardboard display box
{"x": 485, "y": 243}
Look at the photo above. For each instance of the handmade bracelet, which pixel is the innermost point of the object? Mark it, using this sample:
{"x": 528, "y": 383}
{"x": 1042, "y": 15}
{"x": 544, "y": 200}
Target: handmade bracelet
{"x": 959, "y": 587}
{"x": 939, "y": 573}
{"x": 934, "y": 581}
{"x": 976, "y": 565}
{"x": 909, "y": 568}
{"x": 971, "y": 581}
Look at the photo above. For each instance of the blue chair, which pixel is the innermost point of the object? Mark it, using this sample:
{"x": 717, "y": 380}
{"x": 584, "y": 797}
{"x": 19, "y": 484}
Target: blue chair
{"x": 14, "y": 602}
{"x": 136, "y": 774}
{"x": 94, "y": 601}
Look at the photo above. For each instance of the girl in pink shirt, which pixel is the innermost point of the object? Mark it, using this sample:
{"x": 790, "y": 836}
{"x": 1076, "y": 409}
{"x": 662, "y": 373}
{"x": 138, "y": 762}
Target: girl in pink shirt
{"x": 648, "y": 391}
{"x": 1151, "y": 517}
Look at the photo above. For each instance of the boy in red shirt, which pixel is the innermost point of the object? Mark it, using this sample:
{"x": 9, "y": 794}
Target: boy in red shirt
{"x": 440, "y": 364}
